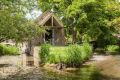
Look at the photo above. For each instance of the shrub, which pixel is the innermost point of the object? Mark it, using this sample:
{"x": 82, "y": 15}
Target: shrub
{"x": 103, "y": 40}
{"x": 8, "y": 50}
{"x": 78, "y": 54}
{"x": 112, "y": 49}
{"x": 86, "y": 51}
{"x": 57, "y": 55}
{"x": 1, "y": 50}
{"x": 72, "y": 55}
{"x": 44, "y": 52}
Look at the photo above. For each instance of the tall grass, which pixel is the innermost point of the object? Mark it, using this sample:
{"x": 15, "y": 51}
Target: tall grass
{"x": 77, "y": 54}
{"x": 44, "y": 52}
{"x": 72, "y": 55}
{"x": 8, "y": 50}
{"x": 112, "y": 49}
{"x": 57, "y": 55}
{"x": 86, "y": 50}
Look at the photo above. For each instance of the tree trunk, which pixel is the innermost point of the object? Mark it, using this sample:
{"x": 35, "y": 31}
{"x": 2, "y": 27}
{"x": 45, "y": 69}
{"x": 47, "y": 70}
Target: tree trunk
{"x": 30, "y": 48}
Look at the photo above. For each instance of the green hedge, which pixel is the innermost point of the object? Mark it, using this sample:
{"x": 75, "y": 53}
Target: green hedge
{"x": 72, "y": 55}
{"x": 8, "y": 50}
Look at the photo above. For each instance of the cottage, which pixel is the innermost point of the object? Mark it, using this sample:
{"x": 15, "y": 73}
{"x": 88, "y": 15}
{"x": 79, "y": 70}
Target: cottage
{"x": 54, "y": 29}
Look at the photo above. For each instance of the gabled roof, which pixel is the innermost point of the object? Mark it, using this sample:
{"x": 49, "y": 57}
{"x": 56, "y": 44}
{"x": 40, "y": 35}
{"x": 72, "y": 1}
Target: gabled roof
{"x": 42, "y": 19}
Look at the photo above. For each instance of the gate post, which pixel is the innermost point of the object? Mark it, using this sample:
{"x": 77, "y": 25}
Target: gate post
{"x": 30, "y": 55}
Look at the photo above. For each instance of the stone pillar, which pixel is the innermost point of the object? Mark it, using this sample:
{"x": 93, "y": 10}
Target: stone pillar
{"x": 24, "y": 60}
{"x": 31, "y": 58}
{"x": 36, "y": 56}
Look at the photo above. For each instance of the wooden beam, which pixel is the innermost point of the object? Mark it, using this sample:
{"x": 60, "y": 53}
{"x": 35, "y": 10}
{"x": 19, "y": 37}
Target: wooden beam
{"x": 53, "y": 35}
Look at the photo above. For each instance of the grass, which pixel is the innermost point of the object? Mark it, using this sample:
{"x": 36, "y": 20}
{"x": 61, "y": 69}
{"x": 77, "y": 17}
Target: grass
{"x": 57, "y": 54}
{"x": 72, "y": 55}
{"x": 8, "y": 50}
{"x": 44, "y": 52}
{"x": 112, "y": 49}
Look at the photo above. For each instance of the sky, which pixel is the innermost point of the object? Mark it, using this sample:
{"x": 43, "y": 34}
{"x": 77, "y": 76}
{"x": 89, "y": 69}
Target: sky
{"x": 34, "y": 14}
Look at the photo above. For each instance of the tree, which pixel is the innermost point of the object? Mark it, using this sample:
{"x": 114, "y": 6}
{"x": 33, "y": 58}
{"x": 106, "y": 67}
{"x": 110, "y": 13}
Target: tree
{"x": 14, "y": 25}
{"x": 88, "y": 19}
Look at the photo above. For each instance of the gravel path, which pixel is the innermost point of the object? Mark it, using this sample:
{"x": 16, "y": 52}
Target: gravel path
{"x": 9, "y": 65}
{"x": 110, "y": 67}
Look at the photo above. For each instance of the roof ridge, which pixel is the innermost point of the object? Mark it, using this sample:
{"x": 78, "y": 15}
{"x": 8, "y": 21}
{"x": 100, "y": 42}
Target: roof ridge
{"x": 41, "y": 17}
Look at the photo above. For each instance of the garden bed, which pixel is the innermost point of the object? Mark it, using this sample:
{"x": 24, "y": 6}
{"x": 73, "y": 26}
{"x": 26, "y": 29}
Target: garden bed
{"x": 68, "y": 56}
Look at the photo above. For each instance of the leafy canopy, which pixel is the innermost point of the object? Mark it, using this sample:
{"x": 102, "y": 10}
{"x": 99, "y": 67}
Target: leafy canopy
{"x": 92, "y": 19}
{"x": 13, "y": 24}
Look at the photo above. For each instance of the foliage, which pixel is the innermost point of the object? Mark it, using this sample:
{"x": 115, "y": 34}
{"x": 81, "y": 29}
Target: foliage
{"x": 8, "y": 50}
{"x": 86, "y": 50}
{"x": 94, "y": 20}
{"x": 44, "y": 52}
{"x": 13, "y": 24}
{"x": 57, "y": 54}
{"x": 112, "y": 49}
{"x": 108, "y": 40}
{"x": 115, "y": 23}
{"x": 72, "y": 55}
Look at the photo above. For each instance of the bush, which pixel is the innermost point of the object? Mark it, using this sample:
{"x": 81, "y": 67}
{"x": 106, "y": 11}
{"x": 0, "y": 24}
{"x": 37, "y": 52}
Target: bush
{"x": 86, "y": 51}
{"x": 103, "y": 40}
{"x": 112, "y": 49}
{"x": 1, "y": 50}
{"x": 57, "y": 55}
{"x": 44, "y": 52}
{"x": 73, "y": 55}
{"x": 8, "y": 50}
{"x": 78, "y": 54}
